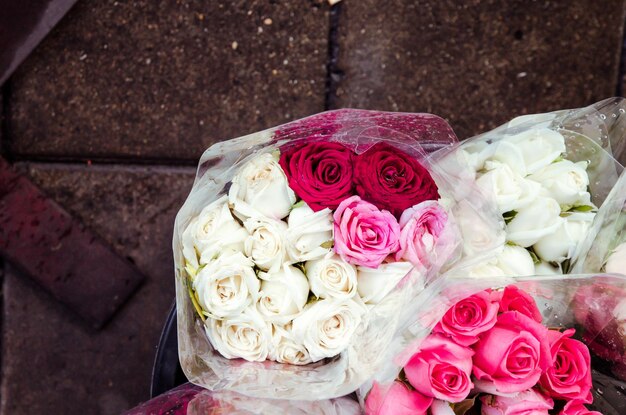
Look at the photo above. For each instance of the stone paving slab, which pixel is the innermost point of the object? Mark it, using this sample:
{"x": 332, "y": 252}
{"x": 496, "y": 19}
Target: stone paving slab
{"x": 68, "y": 260}
{"x": 165, "y": 79}
{"x": 52, "y": 363}
{"x": 478, "y": 63}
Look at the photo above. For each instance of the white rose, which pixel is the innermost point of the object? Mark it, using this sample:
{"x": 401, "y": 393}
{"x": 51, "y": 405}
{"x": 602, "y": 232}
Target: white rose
{"x": 245, "y": 335}
{"x": 541, "y": 120}
{"x": 478, "y": 234}
{"x": 213, "y": 231}
{"x": 515, "y": 261}
{"x": 309, "y": 234}
{"x": 331, "y": 277}
{"x": 544, "y": 268}
{"x": 565, "y": 181}
{"x": 507, "y": 153}
{"x": 616, "y": 262}
{"x": 485, "y": 270}
{"x": 511, "y": 191}
{"x": 261, "y": 186}
{"x": 283, "y": 294}
{"x": 375, "y": 283}
{"x": 285, "y": 349}
{"x": 531, "y": 150}
{"x": 561, "y": 244}
{"x": 265, "y": 244}
{"x": 535, "y": 221}
{"x": 476, "y": 153}
{"x": 619, "y": 312}
{"x": 325, "y": 327}
{"x": 227, "y": 286}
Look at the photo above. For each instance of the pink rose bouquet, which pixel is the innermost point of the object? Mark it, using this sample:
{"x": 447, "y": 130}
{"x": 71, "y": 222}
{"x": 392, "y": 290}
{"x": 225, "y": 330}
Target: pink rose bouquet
{"x": 514, "y": 350}
{"x": 300, "y": 248}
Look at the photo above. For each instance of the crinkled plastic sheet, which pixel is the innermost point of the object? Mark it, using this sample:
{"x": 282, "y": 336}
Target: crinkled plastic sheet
{"x": 416, "y": 134}
{"x": 190, "y": 399}
{"x": 593, "y": 134}
{"x": 583, "y": 301}
{"x": 610, "y": 231}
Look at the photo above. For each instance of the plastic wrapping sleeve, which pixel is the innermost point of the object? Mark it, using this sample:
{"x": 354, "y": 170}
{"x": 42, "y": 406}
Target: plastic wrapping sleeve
{"x": 417, "y": 135}
{"x": 608, "y": 234}
{"x": 189, "y": 399}
{"x": 172, "y": 402}
{"x": 593, "y": 304}
{"x": 527, "y": 145}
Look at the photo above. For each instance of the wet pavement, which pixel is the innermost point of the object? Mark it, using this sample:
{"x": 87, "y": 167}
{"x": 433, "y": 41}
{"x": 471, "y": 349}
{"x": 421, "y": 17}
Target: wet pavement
{"x": 112, "y": 110}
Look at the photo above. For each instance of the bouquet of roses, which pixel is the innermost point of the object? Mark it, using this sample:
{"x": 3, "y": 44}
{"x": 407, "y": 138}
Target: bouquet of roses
{"x": 510, "y": 350}
{"x": 299, "y": 247}
{"x": 547, "y": 174}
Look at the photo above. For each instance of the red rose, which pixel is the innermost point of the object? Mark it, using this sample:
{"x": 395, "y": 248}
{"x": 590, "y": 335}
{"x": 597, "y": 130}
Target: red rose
{"x": 470, "y": 317}
{"x": 514, "y": 299}
{"x": 569, "y": 377}
{"x": 392, "y": 180}
{"x": 320, "y": 173}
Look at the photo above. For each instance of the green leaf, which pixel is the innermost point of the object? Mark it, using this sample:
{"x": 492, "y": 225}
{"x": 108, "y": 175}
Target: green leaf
{"x": 559, "y": 158}
{"x": 191, "y": 271}
{"x": 534, "y": 256}
{"x": 509, "y": 216}
{"x": 328, "y": 244}
{"x": 461, "y": 408}
{"x": 196, "y": 304}
{"x": 312, "y": 297}
{"x": 582, "y": 208}
{"x": 298, "y": 204}
{"x": 402, "y": 378}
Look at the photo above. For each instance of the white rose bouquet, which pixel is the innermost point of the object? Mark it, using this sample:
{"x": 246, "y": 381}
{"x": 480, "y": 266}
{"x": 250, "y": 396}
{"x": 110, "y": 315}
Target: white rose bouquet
{"x": 300, "y": 247}
{"x": 548, "y": 175}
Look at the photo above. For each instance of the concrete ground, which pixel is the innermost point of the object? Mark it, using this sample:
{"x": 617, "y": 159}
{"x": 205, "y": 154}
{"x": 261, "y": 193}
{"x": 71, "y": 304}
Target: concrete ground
{"x": 111, "y": 112}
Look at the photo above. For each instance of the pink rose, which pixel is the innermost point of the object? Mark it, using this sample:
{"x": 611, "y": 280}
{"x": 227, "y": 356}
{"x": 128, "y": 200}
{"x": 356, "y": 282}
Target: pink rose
{"x": 392, "y": 179}
{"x": 529, "y": 402}
{"x": 577, "y": 408}
{"x": 470, "y": 317}
{"x": 364, "y": 235}
{"x": 569, "y": 377}
{"x": 421, "y": 227}
{"x": 441, "y": 408}
{"x": 320, "y": 173}
{"x": 514, "y": 299}
{"x": 512, "y": 355}
{"x": 398, "y": 400}
{"x": 441, "y": 369}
